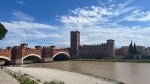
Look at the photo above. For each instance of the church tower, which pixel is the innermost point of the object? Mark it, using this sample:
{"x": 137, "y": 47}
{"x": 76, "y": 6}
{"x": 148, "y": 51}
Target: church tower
{"x": 75, "y": 43}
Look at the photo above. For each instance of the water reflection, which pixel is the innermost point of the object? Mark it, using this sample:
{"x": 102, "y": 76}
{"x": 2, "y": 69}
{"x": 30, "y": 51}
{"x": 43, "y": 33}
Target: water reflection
{"x": 129, "y": 73}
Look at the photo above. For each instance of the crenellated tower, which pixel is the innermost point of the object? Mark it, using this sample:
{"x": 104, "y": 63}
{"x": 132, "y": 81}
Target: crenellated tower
{"x": 111, "y": 47}
{"x": 75, "y": 43}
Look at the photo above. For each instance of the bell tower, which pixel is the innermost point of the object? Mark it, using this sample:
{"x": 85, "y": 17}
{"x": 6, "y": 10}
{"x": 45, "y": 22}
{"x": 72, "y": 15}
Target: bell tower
{"x": 74, "y": 42}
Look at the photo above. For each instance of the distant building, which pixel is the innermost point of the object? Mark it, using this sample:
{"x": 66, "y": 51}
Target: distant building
{"x": 146, "y": 53}
{"x": 90, "y": 51}
{"x": 124, "y": 50}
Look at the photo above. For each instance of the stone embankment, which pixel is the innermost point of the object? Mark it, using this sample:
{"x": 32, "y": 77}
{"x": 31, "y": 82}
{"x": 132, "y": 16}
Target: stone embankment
{"x": 45, "y": 74}
{"x": 5, "y": 78}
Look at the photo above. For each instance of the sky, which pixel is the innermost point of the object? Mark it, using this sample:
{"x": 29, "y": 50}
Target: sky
{"x": 49, "y": 22}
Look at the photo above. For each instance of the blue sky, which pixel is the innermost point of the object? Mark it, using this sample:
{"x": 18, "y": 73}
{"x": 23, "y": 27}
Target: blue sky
{"x": 49, "y": 22}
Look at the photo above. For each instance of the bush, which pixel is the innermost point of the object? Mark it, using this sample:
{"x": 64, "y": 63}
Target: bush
{"x": 54, "y": 82}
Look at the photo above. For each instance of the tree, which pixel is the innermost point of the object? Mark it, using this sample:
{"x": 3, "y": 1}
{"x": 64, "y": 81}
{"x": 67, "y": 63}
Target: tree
{"x": 131, "y": 50}
{"x": 134, "y": 49}
{"x": 3, "y": 31}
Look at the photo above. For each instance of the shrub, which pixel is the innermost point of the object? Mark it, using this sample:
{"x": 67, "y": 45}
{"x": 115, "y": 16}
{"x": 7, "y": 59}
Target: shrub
{"x": 54, "y": 82}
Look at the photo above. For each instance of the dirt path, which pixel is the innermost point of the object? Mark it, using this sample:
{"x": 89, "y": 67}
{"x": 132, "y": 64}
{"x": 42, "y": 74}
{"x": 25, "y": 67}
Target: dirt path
{"x": 5, "y": 78}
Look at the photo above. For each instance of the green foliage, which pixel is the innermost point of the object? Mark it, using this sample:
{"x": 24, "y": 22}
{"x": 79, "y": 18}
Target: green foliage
{"x": 23, "y": 79}
{"x": 25, "y": 74}
{"x": 135, "y": 51}
{"x": 131, "y": 49}
{"x": 120, "y": 83}
{"x": 3, "y": 31}
{"x": 38, "y": 80}
{"x": 54, "y": 82}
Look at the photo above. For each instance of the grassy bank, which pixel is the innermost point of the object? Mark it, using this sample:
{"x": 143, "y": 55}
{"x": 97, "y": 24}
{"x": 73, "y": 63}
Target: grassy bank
{"x": 113, "y": 60}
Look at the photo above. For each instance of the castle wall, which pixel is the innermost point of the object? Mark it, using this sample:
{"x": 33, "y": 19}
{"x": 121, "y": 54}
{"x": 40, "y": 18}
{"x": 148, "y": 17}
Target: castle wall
{"x": 6, "y": 53}
{"x": 98, "y": 50}
{"x": 90, "y": 51}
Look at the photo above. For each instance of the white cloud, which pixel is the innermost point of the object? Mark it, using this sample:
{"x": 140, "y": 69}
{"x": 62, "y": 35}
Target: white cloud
{"x": 123, "y": 5}
{"x": 26, "y": 25}
{"x": 138, "y": 15}
{"x": 85, "y": 16}
{"x": 96, "y": 24}
{"x": 18, "y": 15}
{"x": 113, "y": 5}
{"x": 111, "y": 1}
{"x": 94, "y": 15}
{"x": 30, "y": 32}
{"x": 19, "y": 2}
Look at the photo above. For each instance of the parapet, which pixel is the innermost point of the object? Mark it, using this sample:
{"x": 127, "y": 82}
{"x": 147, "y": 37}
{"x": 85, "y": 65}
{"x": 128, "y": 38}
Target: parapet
{"x": 9, "y": 47}
{"x": 94, "y": 45}
{"x": 31, "y": 50}
{"x": 48, "y": 47}
{"x": 110, "y": 41}
{"x": 16, "y": 47}
{"x": 75, "y": 31}
{"x": 24, "y": 45}
{"x": 38, "y": 47}
{"x": 8, "y": 50}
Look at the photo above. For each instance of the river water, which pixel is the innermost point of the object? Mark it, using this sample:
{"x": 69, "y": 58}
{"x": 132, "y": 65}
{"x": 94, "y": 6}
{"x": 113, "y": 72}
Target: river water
{"x": 129, "y": 73}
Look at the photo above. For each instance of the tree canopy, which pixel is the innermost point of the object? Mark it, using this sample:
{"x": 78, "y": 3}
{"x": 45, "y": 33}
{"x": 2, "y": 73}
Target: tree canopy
{"x": 3, "y": 31}
{"x": 132, "y": 49}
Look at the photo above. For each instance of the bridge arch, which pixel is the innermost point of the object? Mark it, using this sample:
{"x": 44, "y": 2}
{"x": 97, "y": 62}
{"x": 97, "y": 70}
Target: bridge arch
{"x": 6, "y": 58}
{"x": 33, "y": 55}
{"x": 62, "y": 53}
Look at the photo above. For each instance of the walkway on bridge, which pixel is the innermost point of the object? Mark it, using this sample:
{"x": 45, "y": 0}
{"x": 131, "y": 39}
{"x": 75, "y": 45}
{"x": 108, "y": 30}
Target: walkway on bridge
{"x": 5, "y": 78}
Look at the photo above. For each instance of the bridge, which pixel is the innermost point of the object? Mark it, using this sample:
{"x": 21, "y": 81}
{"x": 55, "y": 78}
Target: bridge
{"x": 17, "y": 54}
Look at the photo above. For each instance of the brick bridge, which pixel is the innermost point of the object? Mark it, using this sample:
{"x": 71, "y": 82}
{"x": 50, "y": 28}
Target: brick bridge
{"x": 16, "y": 54}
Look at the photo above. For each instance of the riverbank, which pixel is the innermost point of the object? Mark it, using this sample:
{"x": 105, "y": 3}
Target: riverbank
{"x": 113, "y": 60}
{"x": 45, "y": 74}
{"x": 5, "y": 78}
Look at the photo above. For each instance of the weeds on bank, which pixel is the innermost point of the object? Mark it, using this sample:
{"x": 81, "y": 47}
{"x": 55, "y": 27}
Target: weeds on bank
{"x": 54, "y": 82}
{"x": 38, "y": 80}
{"x": 120, "y": 83}
{"x": 22, "y": 79}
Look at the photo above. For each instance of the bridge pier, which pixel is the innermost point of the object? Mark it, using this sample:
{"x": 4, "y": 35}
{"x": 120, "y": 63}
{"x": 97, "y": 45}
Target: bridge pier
{"x": 47, "y": 59}
{"x": 17, "y": 61}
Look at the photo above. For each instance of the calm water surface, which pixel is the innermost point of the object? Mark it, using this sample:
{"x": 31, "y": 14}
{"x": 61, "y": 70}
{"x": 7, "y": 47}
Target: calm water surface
{"x": 129, "y": 73}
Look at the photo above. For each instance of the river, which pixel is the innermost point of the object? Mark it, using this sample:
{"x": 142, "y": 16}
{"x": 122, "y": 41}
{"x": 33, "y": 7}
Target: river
{"x": 129, "y": 73}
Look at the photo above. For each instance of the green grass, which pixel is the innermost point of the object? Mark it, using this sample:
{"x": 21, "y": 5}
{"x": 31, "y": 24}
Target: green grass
{"x": 22, "y": 79}
{"x": 25, "y": 74}
{"x": 38, "y": 80}
{"x": 54, "y": 82}
{"x": 120, "y": 83}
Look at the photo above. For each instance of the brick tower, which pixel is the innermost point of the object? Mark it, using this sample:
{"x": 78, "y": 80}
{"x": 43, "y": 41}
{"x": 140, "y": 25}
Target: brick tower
{"x": 74, "y": 42}
{"x": 111, "y": 47}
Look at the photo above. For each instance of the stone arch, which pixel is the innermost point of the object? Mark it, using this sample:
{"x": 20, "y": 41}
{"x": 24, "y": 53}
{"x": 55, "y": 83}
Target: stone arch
{"x": 6, "y": 58}
{"x": 35, "y": 55}
{"x": 64, "y": 53}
